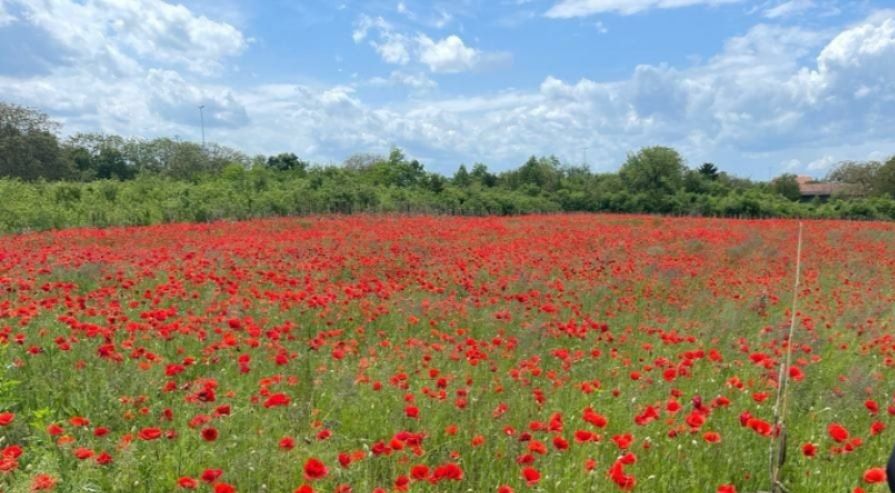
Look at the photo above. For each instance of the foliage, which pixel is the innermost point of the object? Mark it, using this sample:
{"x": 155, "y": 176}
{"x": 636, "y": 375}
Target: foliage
{"x": 653, "y": 170}
{"x": 105, "y": 180}
{"x": 787, "y": 186}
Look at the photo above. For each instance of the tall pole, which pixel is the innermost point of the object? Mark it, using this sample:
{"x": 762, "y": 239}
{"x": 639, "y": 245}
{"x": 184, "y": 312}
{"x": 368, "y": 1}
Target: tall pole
{"x": 202, "y": 120}
{"x": 584, "y": 153}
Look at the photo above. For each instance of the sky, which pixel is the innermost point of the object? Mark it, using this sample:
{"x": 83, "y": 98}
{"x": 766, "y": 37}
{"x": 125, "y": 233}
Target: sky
{"x": 758, "y": 87}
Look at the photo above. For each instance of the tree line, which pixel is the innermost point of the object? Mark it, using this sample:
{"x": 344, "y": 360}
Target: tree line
{"x": 103, "y": 180}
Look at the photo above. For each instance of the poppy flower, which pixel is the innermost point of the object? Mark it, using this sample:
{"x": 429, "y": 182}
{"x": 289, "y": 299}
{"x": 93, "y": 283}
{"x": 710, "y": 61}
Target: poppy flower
{"x": 149, "y": 433}
{"x": 43, "y": 482}
{"x": 419, "y": 472}
{"x": 531, "y": 475}
{"x": 209, "y": 434}
{"x": 276, "y": 400}
{"x": 83, "y": 453}
{"x": 211, "y": 475}
{"x": 187, "y": 483}
{"x": 837, "y": 432}
{"x": 874, "y": 475}
{"x": 287, "y": 443}
{"x": 809, "y": 450}
{"x": 314, "y": 469}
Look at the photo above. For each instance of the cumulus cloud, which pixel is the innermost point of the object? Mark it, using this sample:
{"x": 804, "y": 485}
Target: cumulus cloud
{"x": 582, "y": 8}
{"x": 127, "y": 67}
{"x": 116, "y": 33}
{"x": 447, "y": 55}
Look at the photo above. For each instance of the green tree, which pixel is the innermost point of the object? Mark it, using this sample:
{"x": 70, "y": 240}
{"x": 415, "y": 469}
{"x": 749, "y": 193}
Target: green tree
{"x": 111, "y": 164}
{"x": 481, "y": 175}
{"x": 29, "y": 148}
{"x": 653, "y": 170}
{"x": 861, "y": 177}
{"x": 287, "y": 162}
{"x": 787, "y": 186}
{"x": 709, "y": 171}
{"x": 461, "y": 177}
{"x": 885, "y": 178}
{"x": 537, "y": 174}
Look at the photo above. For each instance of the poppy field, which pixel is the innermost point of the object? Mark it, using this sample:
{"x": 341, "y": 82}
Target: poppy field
{"x": 362, "y": 354}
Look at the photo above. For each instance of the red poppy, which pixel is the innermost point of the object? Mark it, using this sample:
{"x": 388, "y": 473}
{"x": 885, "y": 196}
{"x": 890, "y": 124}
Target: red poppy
{"x": 287, "y": 443}
{"x": 43, "y": 482}
{"x": 211, "y": 475}
{"x": 419, "y": 472}
{"x": 314, "y": 469}
{"x": 837, "y": 432}
{"x": 149, "y": 433}
{"x": 83, "y": 453}
{"x": 809, "y": 449}
{"x": 209, "y": 434}
{"x": 224, "y": 488}
{"x": 275, "y": 400}
{"x": 187, "y": 483}
{"x": 531, "y": 475}
{"x": 874, "y": 475}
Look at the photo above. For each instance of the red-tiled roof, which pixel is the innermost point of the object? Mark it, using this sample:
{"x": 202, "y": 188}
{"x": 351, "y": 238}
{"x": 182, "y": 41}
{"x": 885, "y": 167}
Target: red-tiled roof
{"x": 810, "y": 188}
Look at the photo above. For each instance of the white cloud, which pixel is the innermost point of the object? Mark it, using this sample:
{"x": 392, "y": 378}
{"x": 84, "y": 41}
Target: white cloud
{"x": 176, "y": 100}
{"x": 822, "y": 164}
{"x": 780, "y": 9}
{"x": 864, "y": 51}
{"x": 442, "y": 19}
{"x": 5, "y": 17}
{"x": 790, "y": 164}
{"x": 419, "y": 81}
{"x": 448, "y": 55}
{"x": 126, "y": 66}
{"x": 365, "y": 24}
{"x": 788, "y": 8}
{"x": 394, "y": 48}
{"x": 582, "y": 8}
{"x": 117, "y": 33}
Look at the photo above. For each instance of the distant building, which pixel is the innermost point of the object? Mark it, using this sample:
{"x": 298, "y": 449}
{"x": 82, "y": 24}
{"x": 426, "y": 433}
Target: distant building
{"x": 810, "y": 189}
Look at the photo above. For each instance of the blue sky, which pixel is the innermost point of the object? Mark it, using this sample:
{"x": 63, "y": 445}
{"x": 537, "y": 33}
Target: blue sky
{"x": 760, "y": 88}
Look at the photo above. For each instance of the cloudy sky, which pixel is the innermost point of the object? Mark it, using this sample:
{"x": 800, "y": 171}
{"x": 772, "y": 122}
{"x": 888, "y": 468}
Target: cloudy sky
{"x": 758, "y": 87}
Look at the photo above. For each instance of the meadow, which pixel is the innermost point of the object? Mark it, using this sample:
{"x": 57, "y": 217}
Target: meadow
{"x": 550, "y": 353}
